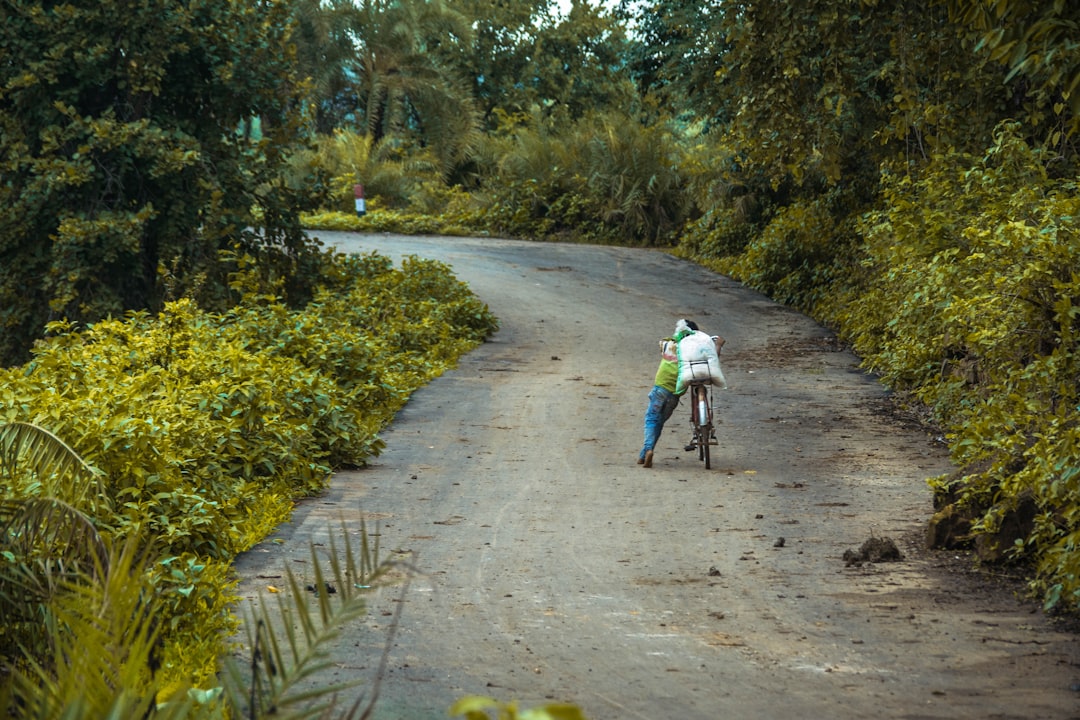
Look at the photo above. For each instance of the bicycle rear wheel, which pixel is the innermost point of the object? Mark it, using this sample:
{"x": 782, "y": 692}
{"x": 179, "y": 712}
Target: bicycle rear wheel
{"x": 702, "y": 426}
{"x": 705, "y": 432}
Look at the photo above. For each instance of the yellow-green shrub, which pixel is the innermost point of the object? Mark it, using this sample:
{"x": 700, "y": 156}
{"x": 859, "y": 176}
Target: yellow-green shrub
{"x": 973, "y": 305}
{"x": 207, "y": 426}
{"x": 800, "y": 255}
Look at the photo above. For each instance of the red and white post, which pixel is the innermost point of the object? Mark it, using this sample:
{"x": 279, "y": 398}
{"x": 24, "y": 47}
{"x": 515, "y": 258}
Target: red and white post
{"x": 361, "y": 208}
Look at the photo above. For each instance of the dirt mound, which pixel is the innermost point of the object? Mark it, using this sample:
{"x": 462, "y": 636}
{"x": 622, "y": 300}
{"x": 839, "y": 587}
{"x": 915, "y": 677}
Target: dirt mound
{"x": 874, "y": 550}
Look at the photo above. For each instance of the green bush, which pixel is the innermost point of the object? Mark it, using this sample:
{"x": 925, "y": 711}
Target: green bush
{"x": 126, "y": 163}
{"x": 601, "y": 179}
{"x": 205, "y": 427}
{"x": 973, "y": 306}
{"x": 801, "y": 255}
{"x": 596, "y": 180}
{"x": 392, "y": 174}
{"x": 404, "y": 222}
{"x": 960, "y": 287}
{"x": 718, "y": 234}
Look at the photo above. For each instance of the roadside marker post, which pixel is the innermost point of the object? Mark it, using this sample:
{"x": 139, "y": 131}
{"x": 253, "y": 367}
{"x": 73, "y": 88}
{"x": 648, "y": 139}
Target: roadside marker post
{"x": 361, "y": 208}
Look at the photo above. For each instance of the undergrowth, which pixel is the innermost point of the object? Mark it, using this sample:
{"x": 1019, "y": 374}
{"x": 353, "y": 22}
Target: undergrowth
{"x": 202, "y": 429}
{"x": 960, "y": 287}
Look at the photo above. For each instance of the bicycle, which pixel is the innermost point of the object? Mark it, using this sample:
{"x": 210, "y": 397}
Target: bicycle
{"x": 701, "y": 419}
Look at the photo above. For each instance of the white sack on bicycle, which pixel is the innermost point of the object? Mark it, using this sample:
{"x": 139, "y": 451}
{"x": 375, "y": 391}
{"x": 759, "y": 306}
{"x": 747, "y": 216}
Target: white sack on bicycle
{"x": 698, "y": 360}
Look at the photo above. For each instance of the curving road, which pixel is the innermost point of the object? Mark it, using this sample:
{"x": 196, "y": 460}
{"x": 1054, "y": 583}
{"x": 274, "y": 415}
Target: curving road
{"x": 556, "y": 569}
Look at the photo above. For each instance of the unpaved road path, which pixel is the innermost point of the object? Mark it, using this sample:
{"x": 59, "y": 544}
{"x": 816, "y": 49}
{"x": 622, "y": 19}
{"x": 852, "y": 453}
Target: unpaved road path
{"x": 556, "y": 569}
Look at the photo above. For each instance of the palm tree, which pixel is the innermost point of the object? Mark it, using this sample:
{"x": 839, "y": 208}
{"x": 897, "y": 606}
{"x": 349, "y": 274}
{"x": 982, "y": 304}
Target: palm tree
{"x": 406, "y": 85}
{"x": 326, "y": 55}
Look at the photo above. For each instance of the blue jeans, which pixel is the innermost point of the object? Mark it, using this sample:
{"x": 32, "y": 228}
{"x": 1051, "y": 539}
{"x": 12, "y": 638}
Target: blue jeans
{"x": 661, "y": 404}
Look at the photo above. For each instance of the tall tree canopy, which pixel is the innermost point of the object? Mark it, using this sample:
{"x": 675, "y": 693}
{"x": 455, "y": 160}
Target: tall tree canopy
{"x": 417, "y": 68}
{"x": 577, "y": 64}
{"x": 124, "y": 168}
{"x": 326, "y": 56}
{"x": 498, "y": 59}
{"x": 1035, "y": 39}
{"x": 820, "y": 90}
{"x": 405, "y": 87}
{"x": 675, "y": 51}
{"x": 533, "y": 57}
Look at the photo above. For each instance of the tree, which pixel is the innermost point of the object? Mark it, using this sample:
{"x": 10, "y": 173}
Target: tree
{"x": 528, "y": 56}
{"x": 124, "y": 171}
{"x": 1035, "y": 40}
{"x": 406, "y": 90}
{"x": 821, "y": 91}
{"x": 496, "y": 61}
{"x": 577, "y": 64}
{"x": 326, "y": 55}
{"x": 675, "y": 52}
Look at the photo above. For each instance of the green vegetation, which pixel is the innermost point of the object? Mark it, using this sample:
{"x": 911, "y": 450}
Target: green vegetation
{"x": 973, "y": 307}
{"x": 907, "y": 176}
{"x": 129, "y": 160}
{"x": 102, "y": 637}
{"x": 194, "y": 432}
{"x": 477, "y": 708}
{"x": 903, "y": 171}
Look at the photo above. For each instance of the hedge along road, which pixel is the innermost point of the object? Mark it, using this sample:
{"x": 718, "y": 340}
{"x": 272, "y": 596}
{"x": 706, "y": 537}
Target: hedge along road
{"x": 556, "y": 569}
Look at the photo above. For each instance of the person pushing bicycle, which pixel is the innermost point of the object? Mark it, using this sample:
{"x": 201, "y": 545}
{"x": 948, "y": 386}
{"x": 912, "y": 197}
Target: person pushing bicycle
{"x": 666, "y": 390}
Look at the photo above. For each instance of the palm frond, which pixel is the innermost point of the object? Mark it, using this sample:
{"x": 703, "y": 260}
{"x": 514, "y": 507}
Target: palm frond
{"x": 102, "y": 634}
{"x": 30, "y": 450}
{"x": 103, "y": 641}
{"x": 46, "y": 545}
{"x": 52, "y": 532}
{"x": 289, "y": 645}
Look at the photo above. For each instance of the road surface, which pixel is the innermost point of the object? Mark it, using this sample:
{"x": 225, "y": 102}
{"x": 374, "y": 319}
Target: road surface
{"x": 556, "y": 569}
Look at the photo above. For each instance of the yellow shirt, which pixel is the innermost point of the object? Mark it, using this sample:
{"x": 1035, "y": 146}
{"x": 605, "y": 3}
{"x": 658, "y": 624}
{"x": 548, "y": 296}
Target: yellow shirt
{"x": 667, "y": 375}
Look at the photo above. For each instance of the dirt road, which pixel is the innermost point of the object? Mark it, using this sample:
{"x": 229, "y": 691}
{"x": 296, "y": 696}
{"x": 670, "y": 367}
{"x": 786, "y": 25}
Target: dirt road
{"x": 557, "y": 569}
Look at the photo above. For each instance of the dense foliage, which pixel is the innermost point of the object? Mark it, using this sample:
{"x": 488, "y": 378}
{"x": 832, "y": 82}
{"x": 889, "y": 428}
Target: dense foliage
{"x": 477, "y": 96}
{"x": 974, "y": 305}
{"x": 903, "y": 171}
{"x": 906, "y": 174}
{"x": 598, "y": 180}
{"x": 198, "y": 430}
{"x": 128, "y": 158}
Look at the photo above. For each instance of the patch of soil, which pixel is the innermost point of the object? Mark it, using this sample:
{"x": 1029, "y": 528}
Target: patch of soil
{"x": 874, "y": 550}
